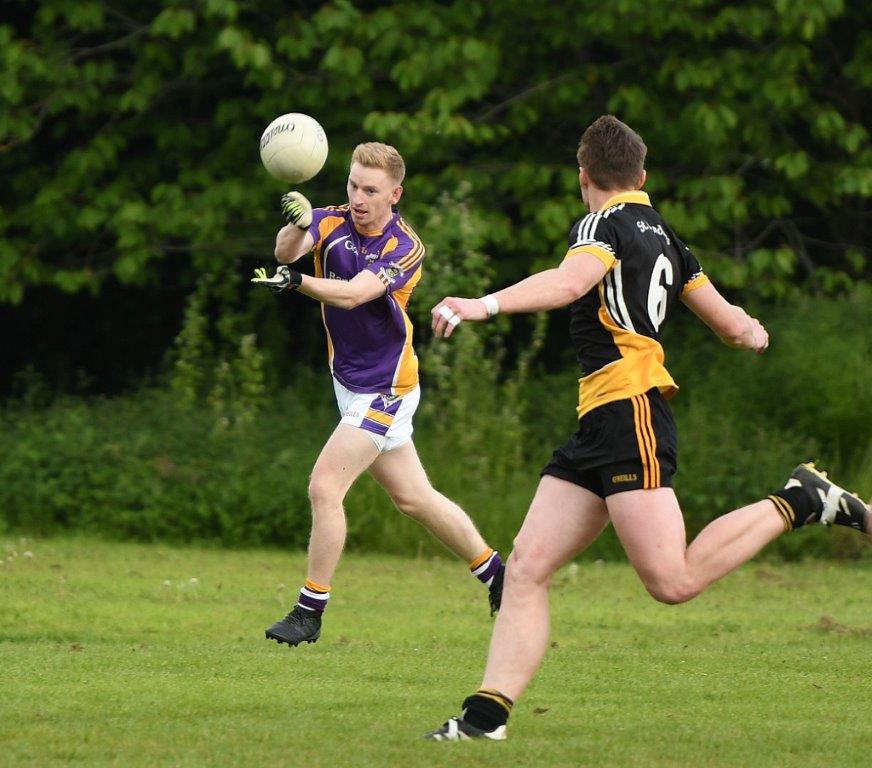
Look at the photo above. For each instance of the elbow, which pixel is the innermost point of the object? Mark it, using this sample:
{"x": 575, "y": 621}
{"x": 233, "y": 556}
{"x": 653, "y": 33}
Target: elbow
{"x": 573, "y": 292}
{"x": 351, "y": 300}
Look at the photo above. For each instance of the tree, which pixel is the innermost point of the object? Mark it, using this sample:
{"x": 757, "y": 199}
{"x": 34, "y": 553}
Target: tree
{"x": 128, "y": 130}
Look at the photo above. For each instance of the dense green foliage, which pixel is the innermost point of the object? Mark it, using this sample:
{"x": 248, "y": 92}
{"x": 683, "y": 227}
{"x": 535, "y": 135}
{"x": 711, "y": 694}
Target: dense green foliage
{"x": 144, "y": 656}
{"x": 154, "y": 466}
{"x": 134, "y": 206}
{"x": 128, "y": 131}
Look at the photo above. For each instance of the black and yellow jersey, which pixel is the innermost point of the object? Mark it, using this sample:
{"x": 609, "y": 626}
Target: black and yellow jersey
{"x": 615, "y": 327}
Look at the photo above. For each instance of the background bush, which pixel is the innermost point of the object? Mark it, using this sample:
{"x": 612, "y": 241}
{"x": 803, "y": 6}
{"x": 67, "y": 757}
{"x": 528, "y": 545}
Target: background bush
{"x": 151, "y": 465}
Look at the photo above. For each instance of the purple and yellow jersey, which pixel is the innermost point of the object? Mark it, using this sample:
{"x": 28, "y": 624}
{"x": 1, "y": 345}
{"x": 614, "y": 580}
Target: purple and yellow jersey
{"x": 369, "y": 348}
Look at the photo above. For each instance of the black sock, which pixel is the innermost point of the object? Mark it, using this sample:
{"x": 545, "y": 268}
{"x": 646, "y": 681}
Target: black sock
{"x": 794, "y": 505}
{"x": 487, "y": 709}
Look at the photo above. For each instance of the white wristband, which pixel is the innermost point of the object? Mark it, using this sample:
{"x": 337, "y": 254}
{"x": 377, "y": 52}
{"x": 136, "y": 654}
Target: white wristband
{"x": 491, "y": 304}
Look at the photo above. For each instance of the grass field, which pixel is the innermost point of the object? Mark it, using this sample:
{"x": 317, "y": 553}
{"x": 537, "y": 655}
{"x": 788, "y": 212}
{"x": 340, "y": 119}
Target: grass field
{"x": 133, "y": 655}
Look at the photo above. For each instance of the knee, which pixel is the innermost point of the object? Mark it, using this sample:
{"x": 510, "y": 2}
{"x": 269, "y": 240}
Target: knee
{"x": 526, "y": 566}
{"x": 671, "y": 591}
{"x": 408, "y": 505}
{"x": 415, "y": 502}
{"x": 322, "y": 492}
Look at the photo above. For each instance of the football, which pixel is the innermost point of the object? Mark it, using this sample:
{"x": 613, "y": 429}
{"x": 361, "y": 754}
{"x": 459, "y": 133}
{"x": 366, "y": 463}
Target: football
{"x": 293, "y": 148}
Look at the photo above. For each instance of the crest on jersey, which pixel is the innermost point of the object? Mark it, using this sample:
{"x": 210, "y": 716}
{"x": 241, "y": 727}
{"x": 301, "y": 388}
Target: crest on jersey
{"x": 391, "y": 272}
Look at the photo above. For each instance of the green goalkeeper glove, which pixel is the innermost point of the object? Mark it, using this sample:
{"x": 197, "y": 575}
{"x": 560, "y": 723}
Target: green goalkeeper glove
{"x": 285, "y": 278}
{"x": 297, "y": 210}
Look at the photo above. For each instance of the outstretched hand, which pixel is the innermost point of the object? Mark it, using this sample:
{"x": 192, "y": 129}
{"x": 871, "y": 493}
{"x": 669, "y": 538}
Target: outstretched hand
{"x": 285, "y": 278}
{"x": 759, "y": 337}
{"x": 449, "y": 313}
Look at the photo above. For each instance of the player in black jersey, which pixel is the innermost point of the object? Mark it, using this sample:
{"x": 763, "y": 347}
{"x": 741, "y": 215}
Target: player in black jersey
{"x": 624, "y": 271}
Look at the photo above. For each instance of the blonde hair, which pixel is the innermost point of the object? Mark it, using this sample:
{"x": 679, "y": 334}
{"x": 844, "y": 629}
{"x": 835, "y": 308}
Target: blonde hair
{"x": 374, "y": 154}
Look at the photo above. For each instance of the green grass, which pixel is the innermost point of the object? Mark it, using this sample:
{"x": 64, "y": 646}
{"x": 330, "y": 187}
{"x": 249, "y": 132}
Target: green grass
{"x": 112, "y": 655}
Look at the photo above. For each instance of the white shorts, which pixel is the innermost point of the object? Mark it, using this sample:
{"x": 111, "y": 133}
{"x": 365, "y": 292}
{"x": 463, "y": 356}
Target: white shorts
{"x": 387, "y": 419}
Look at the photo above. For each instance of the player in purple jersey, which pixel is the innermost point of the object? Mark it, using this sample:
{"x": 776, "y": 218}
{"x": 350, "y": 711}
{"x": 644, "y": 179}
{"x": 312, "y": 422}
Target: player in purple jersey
{"x": 623, "y": 273}
{"x": 368, "y": 261}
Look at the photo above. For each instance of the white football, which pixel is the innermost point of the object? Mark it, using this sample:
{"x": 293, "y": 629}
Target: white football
{"x": 293, "y": 148}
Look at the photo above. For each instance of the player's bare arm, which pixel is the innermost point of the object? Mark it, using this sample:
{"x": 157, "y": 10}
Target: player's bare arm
{"x": 734, "y": 326}
{"x": 344, "y": 294}
{"x": 292, "y": 243}
{"x": 546, "y": 290}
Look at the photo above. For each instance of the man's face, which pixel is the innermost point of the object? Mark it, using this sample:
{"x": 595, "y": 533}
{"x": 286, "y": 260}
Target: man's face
{"x": 371, "y": 193}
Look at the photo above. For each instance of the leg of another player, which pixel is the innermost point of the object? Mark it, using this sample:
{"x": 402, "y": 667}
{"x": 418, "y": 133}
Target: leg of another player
{"x": 563, "y": 520}
{"x": 650, "y": 526}
{"x": 401, "y": 474}
{"x": 345, "y": 456}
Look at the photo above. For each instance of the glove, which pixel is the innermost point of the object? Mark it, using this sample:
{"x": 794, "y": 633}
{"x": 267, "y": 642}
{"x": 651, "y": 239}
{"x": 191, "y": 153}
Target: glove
{"x": 297, "y": 210}
{"x": 285, "y": 278}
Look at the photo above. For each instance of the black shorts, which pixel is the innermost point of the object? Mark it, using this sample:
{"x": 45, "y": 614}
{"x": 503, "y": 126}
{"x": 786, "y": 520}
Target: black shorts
{"x": 621, "y": 446}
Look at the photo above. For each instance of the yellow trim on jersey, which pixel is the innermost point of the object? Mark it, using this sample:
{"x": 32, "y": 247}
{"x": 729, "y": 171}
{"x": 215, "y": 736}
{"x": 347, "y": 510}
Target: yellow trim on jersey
{"x": 639, "y": 368}
{"x": 417, "y": 250}
{"x": 327, "y": 334}
{"x": 380, "y": 417}
{"x": 402, "y": 294}
{"x": 406, "y": 374}
{"x": 636, "y": 196}
{"x": 608, "y": 259}
{"x": 390, "y": 245}
{"x": 326, "y": 226}
{"x": 698, "y": 281}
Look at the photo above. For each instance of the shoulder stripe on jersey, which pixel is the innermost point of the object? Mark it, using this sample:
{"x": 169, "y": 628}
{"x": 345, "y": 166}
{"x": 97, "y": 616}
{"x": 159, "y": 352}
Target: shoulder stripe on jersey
{"x": 587, "y": 228}
{"x": 417, "y": 251}
{"x": 614, "y": 295}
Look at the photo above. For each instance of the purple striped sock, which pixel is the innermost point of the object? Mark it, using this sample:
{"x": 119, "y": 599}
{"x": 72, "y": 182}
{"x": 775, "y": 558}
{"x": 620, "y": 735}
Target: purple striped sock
{"x": 488, "y": 569}
{"x": 313, "y": 596}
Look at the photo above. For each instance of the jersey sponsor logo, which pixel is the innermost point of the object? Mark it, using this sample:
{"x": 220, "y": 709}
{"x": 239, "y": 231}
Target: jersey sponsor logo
{"x": 632, "y": 477}
{"x": 350, "y": 246}
{"x": 644, "y": 227}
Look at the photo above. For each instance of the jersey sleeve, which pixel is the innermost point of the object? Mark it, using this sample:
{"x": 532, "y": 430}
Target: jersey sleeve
{"x": 692, "y": 275}
{"x": 595, "y": 235}
{"x": 399, "y": 261}
{"x": 324, "y": 221}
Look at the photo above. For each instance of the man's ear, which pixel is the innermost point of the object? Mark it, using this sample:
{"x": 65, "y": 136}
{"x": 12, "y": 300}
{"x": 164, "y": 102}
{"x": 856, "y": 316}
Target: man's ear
{"x": 642, "y": 178}
{"x": 396, "y": 195}
{"x": 583, "y": 178}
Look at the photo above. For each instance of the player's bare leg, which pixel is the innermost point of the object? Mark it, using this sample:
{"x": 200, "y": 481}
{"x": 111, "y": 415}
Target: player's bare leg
{"x": 650, "y": 526}
{"x": 401, "y": 474}
{"x": 347, "y": 453}
{"x": 563, "y": 520}
{"x": 344, "y": 457}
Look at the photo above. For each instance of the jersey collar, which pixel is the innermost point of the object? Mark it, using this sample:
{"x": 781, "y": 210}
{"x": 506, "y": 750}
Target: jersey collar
{"x": 376, "y": 232}
{"x": 636, "y": 196}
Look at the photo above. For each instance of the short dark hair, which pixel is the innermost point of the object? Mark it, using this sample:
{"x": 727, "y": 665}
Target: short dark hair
{"x": 612, "y": 153}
